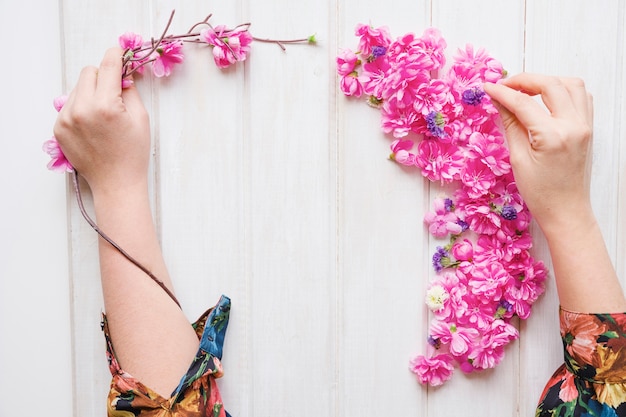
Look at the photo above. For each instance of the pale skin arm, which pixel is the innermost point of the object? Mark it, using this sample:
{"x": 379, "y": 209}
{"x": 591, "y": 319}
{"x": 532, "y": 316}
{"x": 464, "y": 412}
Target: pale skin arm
{"x": 104, "y": 132}
{"x": 551, "y": 160}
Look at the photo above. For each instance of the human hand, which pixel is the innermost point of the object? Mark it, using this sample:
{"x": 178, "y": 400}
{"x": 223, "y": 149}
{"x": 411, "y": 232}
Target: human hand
{"x": 103, "y": 130}
{"x": 550, "y": 151}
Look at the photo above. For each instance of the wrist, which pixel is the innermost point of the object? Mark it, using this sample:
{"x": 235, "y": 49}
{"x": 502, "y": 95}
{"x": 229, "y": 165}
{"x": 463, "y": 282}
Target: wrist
{"x": 567, "y": 225}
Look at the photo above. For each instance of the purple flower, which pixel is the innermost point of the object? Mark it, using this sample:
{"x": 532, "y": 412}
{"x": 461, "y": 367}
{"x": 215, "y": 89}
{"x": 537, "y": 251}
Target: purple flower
{"x": 472, "y": 96}
{"x": 509, "y": 213}
{"x": 435, "y": 123}
{"x": 464, "y": 225}
{"x": 441, "y": 259}
{"x": 378, "y": 51}
{"x": 434, "y": 342}
{"x": 448, "y": 204}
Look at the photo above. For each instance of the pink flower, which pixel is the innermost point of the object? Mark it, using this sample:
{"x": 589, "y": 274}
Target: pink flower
{"x": 350, "y": 85}
{"x": 373, "y": 76}
{"x": 477, "y": 177}
{"x": 127, "y": 83}
{"x": 439, "y": 161}
{"x": 346, "y": 62}
{"x": 370, "y": 37}
{"x": 490, "y": 351}
{"x": 59, "y": 102}
{"x": 469, "y": 63}
{"x": 130, "y": 40}
{"x": 434, "y": 371}
{"x": 397, "y": 118}
{"x": 459, "y": 338}
{"x": 489, "y": 282}
{"x": 400, "y": 152}
{"x": 442, "y": 222}
{"x": 165, "y": 57}
{"x": 462, "y": 250}
{"x": 491, "y": 152}
{"x": 58, "y": 161}
{"x": 434, "y": 45}
{"x": 229, "y": 46}
{"x": 430, "y": 97}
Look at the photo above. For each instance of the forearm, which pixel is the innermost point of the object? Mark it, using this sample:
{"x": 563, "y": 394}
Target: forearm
{"x": 124, "y": 215}
{"x": 585, "y": 276}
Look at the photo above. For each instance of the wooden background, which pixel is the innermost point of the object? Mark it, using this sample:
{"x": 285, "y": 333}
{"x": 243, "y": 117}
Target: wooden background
{"x": 271, "y": 187}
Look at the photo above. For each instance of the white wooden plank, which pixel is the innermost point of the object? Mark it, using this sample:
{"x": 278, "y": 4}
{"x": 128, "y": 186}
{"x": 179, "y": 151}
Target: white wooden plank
{"x": 291, "y": 212}
{"x": 383, "y": 260}
{"x": 34, "y": 280}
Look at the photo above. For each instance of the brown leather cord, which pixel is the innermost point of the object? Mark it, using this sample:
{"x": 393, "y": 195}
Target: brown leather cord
{"x": 112, "y": 243}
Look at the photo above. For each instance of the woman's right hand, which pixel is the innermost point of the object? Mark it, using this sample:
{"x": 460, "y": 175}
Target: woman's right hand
{"x": 550, "y": 149}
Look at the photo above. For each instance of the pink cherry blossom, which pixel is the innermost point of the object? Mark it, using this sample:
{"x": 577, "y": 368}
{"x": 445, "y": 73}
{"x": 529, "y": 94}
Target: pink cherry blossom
{"x": 397, "y": 118}
{"x": 462, "y": 250}
{"x": 433, "y": 371}
{"x": 491, "y": 152}
{"x": 351, "y": 86}
{"x": 229, "y": 46}
{"x": 490, "y": 350}
{"x": 439, "y": 161}
{"x": 477, "y": 177}
{"x": 165, "y": 57}
{"x": 58, "y": 162}
{"x": 130, "y": 40}
{"x": 490, "y": 282}
{"x": 400, "y": 152}
{"x": 346, "y": 62}
{"x": 430, "y": 97}
{"x": 370, "y": 37}
{"x": 374, "y": 75}
{"x": 459, "y": 338}
{"x": 442, "y": 222}
{"x": 59, "y": 102}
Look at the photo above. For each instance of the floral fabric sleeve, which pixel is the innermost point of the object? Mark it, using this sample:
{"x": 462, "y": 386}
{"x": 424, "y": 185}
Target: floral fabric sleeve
{"x": 592, "y": 381}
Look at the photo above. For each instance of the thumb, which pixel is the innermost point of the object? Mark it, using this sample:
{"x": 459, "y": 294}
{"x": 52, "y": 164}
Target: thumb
{"x": 515, "y": 132}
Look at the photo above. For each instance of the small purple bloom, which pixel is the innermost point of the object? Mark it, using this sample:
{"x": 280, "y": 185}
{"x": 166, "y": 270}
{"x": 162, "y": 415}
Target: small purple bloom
{"x": 464, "y": 225}
{"x": 504, "y": 309}
{"x": 378, "y": 51}
{"x": 434, "y": 342}
{"x": 509, "y": 213}
{"x": 472, "y": 96}
{"x": 440, "y": 258}
{"x": 448, "y": 204}
{"x": 435, "y": 123}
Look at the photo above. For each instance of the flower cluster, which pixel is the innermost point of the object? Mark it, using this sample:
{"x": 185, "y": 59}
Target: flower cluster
{"x": 162, "y": 55}
{"x": 445, "y": 127}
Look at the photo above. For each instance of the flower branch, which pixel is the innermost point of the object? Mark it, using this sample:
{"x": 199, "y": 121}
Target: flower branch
{"x": 163, "y": 54}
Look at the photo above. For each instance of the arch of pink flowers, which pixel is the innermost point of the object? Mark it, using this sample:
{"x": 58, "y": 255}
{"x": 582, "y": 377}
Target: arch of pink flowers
{"x": 446, "y": 128}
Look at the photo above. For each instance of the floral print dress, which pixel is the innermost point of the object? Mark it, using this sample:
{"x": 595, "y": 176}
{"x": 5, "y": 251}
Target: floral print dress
{"x": 197, "y": 395}
{"x": 592, "y": 381}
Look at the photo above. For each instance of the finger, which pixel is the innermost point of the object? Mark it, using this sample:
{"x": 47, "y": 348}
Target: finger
{"x": 553, "y": 91}
{"x": 109, "y": 83}
{"x": 132, "y": 99}
{"x": 516, "y": 134}
{"x": 526, "y": 110}
{"x": 85, "y": 87}
{"x": 580, "y": 98}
